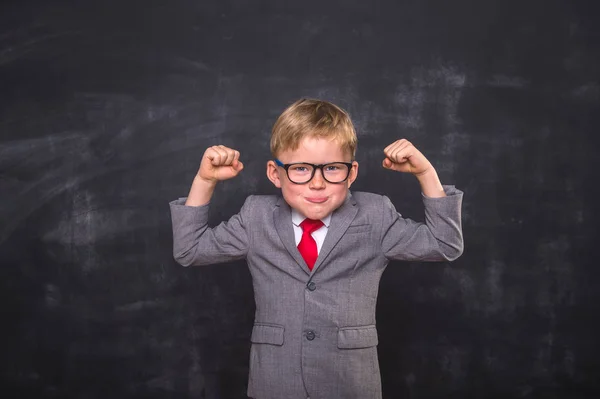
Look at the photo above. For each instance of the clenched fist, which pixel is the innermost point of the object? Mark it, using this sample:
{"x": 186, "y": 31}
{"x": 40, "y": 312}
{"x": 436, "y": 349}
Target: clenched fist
{"x": 219, "y": 163}
{"x": 402, "y": 156}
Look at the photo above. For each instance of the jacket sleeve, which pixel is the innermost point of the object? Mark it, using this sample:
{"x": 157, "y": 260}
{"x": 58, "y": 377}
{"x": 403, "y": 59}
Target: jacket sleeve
{"x": 196, "y": 244}
{"x": 440, "y": 238}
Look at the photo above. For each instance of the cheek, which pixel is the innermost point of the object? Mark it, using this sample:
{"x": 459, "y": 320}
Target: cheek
{"x": 290, "y": 190}
{"x": 342, "y": 189}
{"x": 340, "y": 194}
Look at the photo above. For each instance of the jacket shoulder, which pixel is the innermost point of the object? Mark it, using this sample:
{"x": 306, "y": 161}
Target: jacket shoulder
{"x": 366, "y": 199}
{"x": 258, "y": 203}
{"x": 370, "y": 203}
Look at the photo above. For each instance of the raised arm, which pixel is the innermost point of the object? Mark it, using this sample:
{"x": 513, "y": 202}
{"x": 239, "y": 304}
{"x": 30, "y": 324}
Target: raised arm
{"x": 440, "y": 237}
{"x": 194, "y": 243}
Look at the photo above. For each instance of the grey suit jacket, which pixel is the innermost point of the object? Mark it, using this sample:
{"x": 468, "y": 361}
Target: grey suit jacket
{"x": 314, "y": 333}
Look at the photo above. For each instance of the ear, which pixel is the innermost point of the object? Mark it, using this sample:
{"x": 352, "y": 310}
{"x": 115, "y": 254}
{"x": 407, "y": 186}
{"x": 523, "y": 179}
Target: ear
{"x": 273, "y": 174}
{"x": 353, "y": 173}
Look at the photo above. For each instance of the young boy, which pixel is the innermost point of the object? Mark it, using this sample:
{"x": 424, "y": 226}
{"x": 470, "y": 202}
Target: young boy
{"x": 316, "y": 253}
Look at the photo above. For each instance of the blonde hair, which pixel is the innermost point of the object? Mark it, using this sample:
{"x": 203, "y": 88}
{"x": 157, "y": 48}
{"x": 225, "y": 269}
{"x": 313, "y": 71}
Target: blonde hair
{"x": 312, "y": 118}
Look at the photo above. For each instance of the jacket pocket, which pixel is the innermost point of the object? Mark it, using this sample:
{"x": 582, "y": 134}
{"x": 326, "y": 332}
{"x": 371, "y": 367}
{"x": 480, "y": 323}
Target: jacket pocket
{"x": 357, "y": 337}
{"x": 267, "y": 334}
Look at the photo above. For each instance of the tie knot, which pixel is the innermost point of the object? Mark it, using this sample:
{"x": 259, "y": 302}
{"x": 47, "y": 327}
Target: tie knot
{"x": 310, "y": 225}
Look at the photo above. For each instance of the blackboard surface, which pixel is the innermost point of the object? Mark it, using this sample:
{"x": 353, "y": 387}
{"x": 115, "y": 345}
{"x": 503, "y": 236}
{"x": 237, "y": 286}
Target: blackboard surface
{"x": 106, "y": 108}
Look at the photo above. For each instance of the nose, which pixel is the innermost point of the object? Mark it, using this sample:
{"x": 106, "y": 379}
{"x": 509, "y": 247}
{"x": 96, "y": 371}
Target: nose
{"x": 317, "y": 182}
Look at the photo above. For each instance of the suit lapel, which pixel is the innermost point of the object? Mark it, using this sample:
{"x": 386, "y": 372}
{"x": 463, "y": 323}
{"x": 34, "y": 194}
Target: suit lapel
{"x": 340, "y": 220}
{"x": 283, "y": 225}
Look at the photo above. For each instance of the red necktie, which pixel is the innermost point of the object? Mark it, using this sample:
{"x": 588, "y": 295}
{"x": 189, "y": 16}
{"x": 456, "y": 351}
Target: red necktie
{"x": 308, "y": 245}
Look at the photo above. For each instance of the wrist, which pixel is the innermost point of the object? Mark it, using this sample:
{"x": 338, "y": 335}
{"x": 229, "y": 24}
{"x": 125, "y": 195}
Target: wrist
{"x": 205, "y": 182}
{"x": 201, "y": 191}
{"x": 426, "y": 174}
{"x": 430, "y": 183}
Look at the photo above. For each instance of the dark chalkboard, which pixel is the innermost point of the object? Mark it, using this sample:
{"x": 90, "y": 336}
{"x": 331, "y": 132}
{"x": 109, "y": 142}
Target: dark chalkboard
{"x": 106, "y": 108}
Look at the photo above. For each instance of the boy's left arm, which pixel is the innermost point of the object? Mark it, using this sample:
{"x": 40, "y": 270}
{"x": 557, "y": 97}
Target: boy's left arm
{"x": 440, "y": 237}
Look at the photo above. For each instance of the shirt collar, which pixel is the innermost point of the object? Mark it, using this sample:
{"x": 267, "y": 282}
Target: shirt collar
{"x": 297, "y": 218}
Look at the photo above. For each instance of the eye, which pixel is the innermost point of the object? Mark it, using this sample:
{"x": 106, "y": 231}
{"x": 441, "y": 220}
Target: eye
{"x": 332, "y": 168}
{"x": 299, "y": 168}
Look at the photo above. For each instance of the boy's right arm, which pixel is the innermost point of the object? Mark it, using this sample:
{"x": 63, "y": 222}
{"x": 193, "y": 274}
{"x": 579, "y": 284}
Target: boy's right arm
{"x": 194, "y": 243}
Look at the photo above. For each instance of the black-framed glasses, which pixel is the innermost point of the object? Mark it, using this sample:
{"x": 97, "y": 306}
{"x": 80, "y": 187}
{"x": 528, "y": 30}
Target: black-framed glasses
{"x": 302, "y": 172}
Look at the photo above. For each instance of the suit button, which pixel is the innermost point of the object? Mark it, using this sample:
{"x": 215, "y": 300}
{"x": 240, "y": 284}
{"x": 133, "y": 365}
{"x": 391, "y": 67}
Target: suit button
{"x": 311, "y": 286}
{"x": 310, "y": 335}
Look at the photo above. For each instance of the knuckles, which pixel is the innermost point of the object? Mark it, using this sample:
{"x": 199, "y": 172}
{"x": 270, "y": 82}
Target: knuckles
{"x": 219, "y": 155}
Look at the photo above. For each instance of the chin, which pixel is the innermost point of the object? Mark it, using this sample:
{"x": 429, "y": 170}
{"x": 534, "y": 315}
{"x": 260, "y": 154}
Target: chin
{"x": 312, "y": 214}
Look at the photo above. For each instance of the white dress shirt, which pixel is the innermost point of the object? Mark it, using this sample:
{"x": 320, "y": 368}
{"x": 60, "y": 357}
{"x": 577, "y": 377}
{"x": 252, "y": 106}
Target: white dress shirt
{"x": 318, "y": 235}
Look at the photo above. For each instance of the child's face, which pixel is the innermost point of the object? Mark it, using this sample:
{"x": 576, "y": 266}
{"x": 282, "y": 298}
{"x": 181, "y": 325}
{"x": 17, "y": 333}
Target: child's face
{"x": 317, "y": 198}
